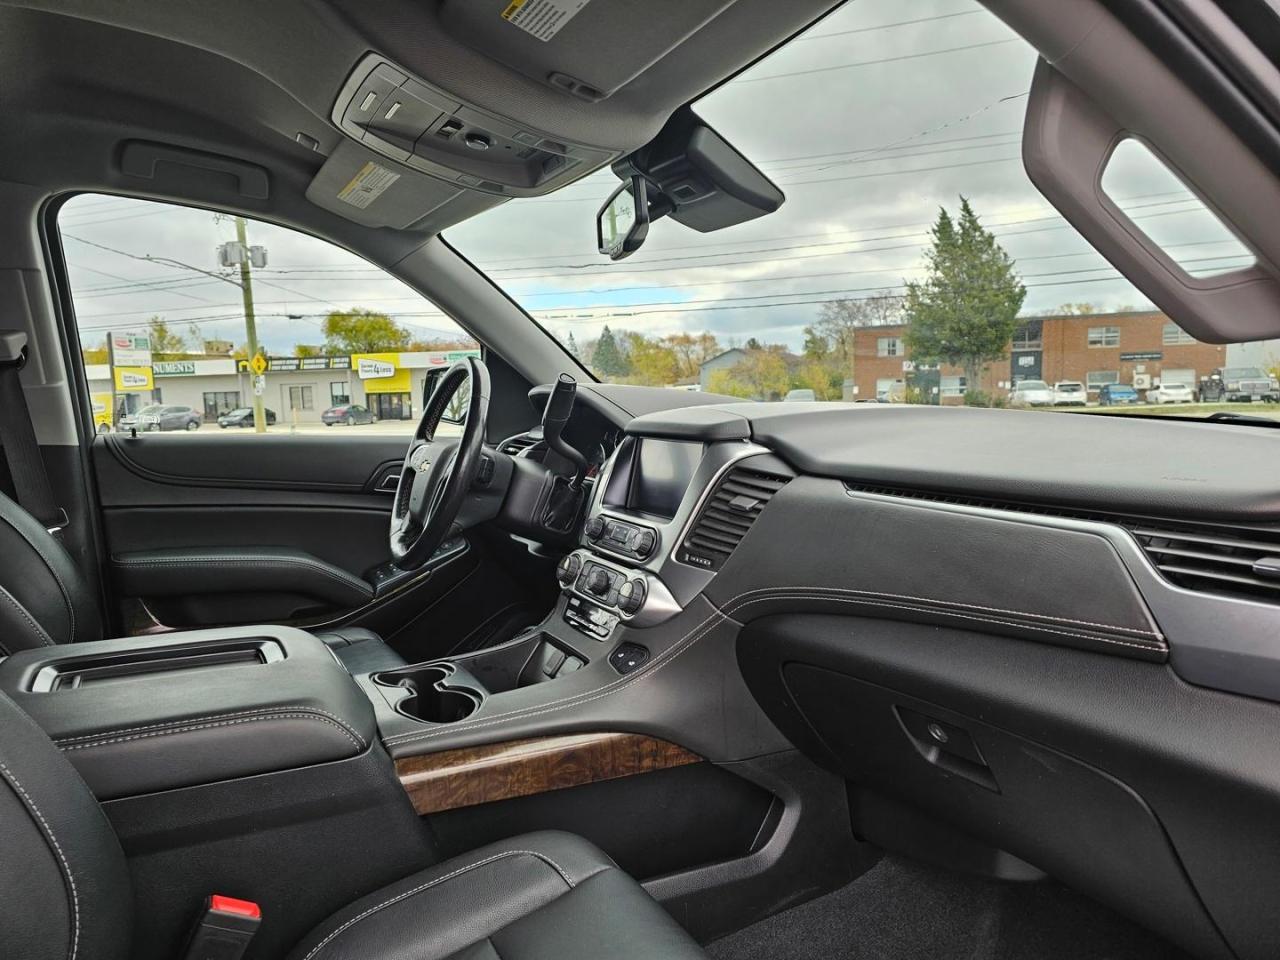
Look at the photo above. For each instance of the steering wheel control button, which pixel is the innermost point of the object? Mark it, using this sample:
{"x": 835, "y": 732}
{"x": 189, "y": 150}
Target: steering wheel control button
{"x": 631, "y": 596}
{"x": 628, "y": 657}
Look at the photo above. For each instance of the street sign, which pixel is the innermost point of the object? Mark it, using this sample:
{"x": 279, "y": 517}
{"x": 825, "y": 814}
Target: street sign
{"x": 258, "y": 364}
{"x": 130, "y": 349}
{"x": 259, "y": 385}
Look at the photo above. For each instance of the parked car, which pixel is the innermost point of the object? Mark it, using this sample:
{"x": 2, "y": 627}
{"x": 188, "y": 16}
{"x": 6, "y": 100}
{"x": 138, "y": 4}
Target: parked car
{"x": 1070, "y": 393}
{"x": 348, "y": 413}
{"x": 1171, "y": 393}
{"x": 1244, "y": 385}
{"x": 1117, "y": 394}
{"x": 799, "y": 395}
{"x": 158, "y": 416}
{"x": 243, "y": 417}
{"x": 1031, "y": 393}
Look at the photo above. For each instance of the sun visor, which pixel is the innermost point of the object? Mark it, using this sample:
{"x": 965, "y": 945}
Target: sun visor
{"x": 588, "y": 48}
{"x": 365, "y": 187}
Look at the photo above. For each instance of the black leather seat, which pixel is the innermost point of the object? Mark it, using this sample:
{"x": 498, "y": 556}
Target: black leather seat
{"x": 45, "y": 599}
{"x": 65, "y": 887}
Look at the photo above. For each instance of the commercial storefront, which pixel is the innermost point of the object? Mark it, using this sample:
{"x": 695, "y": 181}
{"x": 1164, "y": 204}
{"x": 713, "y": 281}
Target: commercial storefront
{"x": 1142, "y": 349}
{"x": 296, "y": 389}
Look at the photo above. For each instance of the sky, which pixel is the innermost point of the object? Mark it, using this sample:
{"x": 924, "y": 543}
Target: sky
{"x": 870, "y": 121}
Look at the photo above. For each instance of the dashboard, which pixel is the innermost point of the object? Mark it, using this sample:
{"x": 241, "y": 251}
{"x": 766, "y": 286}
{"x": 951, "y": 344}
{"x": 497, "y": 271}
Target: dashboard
{"x": 1054, "y": 632}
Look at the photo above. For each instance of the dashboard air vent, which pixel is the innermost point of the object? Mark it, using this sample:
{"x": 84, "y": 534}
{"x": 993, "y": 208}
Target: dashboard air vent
{"x": 521, "y": 441}
{"x": 1244, "y": 561}
{"x": 727, "y": 516}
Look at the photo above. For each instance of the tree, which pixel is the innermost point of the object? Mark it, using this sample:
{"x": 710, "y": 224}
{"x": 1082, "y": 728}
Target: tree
{"x": 761, "y": 375}
{"x": 363, "y": 331}
{"x": 831, "y": 337}
{"x": 650, "y": 361}
{"x": 826, "y": 383}
{"x": 691, "y": 351}
{"x": 165, "y": 344}
{"x": 97, "y": 353}
{"x": 754, "y": 344}
{"x": 607, "y": 359}
{"x": 572, "y": 346}
{"x": 965, "y": 311}
{"x": 436, "y": 344}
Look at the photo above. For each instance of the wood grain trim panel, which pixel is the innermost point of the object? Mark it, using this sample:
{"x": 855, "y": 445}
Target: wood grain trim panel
{"x": 449, "y": 779}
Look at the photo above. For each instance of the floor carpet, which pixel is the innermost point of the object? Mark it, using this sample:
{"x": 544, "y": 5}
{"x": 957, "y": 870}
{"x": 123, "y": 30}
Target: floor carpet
{"x": 905, "y": 910}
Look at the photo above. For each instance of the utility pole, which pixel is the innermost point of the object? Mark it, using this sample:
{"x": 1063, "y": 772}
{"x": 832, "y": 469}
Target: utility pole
{"x": 250, "y": 322}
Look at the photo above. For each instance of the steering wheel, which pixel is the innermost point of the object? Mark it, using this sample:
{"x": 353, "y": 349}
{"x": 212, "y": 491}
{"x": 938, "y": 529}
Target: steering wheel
{"x": 438, "y": 473}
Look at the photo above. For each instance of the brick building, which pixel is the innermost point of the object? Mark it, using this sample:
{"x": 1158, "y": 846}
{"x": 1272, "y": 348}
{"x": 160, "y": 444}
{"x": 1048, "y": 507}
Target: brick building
{"x": 1094, "y": 349}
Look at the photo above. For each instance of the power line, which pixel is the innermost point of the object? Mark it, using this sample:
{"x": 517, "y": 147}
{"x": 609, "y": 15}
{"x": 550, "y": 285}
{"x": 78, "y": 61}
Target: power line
{"x": 869, "y": 63}
{"x": 886, "y": 26}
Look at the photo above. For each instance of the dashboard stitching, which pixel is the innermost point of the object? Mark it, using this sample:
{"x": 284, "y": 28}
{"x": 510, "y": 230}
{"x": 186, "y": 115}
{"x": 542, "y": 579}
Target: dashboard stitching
{"x": 696, "y": 634}
{"x": 876, "y": 594}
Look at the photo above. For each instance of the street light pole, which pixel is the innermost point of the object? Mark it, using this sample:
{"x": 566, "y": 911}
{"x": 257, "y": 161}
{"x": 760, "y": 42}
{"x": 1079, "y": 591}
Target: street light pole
{"x": 250, "y": 322}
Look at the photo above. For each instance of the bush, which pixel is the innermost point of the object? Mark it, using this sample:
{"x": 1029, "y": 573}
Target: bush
{"x": 980, "y": 398}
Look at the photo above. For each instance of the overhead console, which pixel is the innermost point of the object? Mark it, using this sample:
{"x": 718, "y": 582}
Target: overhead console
{"x": 414, "y": 123}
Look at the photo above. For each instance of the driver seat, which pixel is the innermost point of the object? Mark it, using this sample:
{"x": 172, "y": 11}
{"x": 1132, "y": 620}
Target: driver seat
{"x": 45, "y": 599}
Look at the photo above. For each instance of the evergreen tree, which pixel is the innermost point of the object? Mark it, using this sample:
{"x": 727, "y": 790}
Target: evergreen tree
{"x": 572, "y": 346}
{"x": 965, "y": 311}
{"x": 608, "y": 359}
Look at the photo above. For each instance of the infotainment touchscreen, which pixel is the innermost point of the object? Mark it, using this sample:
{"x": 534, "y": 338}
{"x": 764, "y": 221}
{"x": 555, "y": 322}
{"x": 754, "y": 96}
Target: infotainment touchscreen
{"x": 656, "y": 475}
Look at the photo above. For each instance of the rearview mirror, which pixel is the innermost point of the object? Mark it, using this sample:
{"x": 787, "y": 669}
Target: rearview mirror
{"x": 623, "y": 222}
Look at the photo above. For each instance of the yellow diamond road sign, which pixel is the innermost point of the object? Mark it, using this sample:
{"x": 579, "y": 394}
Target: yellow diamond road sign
{"x": 258, "y": 364}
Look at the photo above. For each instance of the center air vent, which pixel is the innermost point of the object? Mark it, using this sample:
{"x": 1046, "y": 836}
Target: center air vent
{"x": 520, "y": 442}
{"x": 727, "y": 516}
{"x": 1234, "y": 560}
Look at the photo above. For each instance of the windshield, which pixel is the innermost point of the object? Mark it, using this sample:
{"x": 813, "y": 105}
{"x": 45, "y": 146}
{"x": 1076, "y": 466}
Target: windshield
{"x": 1033, "y": 385}
{"x": 894, "y": 130}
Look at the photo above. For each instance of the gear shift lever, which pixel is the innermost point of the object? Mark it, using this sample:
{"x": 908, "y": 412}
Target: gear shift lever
{"x": 554, "y": 419}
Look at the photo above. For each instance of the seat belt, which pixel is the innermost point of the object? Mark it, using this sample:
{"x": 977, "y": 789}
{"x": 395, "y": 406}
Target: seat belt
{"x": 18, "y": 435}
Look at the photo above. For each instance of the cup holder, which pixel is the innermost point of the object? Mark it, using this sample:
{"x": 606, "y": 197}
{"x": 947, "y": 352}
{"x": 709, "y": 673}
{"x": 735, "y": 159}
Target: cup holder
{"x": 428, "y": 700}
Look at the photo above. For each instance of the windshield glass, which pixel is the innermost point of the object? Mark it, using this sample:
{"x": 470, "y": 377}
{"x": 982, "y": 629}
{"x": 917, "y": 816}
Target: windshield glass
{"x": 894, "y": 130}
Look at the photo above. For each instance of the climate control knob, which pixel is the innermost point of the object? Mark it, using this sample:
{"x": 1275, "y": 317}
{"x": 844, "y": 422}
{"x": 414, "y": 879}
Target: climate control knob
{"x": 631, "y": 596}
{"x": 594, "y": 528}
{"x": 568, "y": 568}
{"x": 598, "y": 582}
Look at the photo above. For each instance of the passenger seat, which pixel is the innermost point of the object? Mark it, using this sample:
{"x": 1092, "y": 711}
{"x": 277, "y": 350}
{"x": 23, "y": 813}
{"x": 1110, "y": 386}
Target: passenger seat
{"x": 65, "y": 887}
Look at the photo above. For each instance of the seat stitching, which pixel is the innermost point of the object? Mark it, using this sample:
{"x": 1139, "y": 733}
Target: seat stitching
{"x": 711, "y": 622}
{"x": 53, "y": 841}
{"x": 210, "y": 726}
{"x": 23, "y": 612}
{"x": 213, "y": 716}
{"x": 62, "y": 587}
{"x": 254, "y": 561}
{"x": 564, "y": 875}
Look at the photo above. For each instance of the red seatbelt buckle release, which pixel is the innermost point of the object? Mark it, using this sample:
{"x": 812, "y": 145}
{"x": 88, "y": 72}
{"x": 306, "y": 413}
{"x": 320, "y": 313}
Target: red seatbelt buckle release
{"x": 225, "y": 927}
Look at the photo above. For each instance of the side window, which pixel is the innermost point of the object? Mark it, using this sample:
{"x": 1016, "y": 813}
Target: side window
{"x": 206, "y": 313}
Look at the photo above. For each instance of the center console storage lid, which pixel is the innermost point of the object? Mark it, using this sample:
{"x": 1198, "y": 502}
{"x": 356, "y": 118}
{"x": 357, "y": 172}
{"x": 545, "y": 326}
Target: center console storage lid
{"x": 141, "y": 714}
